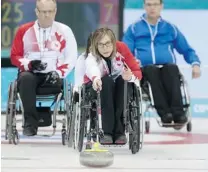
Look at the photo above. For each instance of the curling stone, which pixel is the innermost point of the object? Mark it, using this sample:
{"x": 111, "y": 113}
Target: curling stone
{"x": 96, "y": 157}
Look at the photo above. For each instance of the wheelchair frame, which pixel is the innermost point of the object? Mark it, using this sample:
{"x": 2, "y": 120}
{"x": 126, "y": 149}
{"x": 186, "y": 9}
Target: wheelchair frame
{"x": 186, "y": 106}
{"x": 81, "y": 121}
{"x": 12, "y": 111}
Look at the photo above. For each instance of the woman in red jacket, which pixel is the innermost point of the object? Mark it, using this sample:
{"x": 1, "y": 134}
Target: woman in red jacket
{"x": 109, "y": 64}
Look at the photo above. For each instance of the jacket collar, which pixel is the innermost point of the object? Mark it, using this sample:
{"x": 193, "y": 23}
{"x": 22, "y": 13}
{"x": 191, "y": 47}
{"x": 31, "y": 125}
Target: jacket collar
{"x": 144, "y": 17}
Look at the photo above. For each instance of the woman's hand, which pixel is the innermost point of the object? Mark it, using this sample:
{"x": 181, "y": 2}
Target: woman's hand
{"x": 127, "y": 74}
{"x": 97, "y": 84}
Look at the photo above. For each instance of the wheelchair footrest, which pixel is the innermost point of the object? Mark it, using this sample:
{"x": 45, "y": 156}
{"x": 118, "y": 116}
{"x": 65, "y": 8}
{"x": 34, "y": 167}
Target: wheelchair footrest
{"x": 172, "y": 125}
{"x": 113, "y": 145}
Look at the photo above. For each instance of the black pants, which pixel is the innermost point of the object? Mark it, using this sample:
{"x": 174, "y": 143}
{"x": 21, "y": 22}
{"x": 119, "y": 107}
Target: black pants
{"x": 112, "y": 105}
{"x": 165, "y": 84}
{"x": 28, "y": 83}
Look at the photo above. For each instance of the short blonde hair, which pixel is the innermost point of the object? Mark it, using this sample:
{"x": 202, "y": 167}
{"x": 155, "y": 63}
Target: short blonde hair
{"x": 37, "y": 1}
{"x": 97, "y": 36}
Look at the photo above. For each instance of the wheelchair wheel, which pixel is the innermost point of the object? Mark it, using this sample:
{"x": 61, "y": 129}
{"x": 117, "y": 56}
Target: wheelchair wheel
{"x": 15, "y": 136}
{"x": 147, "y": 127}
{"x": 68, "y": 99}
{"x": 189, "y": 124}
{"x": 189, "y": 127}
{"x": 135, "y": 117}
{"x": 71, "y": 126}
{"x": 7, "y": 112}
{"x": 81, "y": 131}
{"x": 130, "y": 141}
{"x": 10, "y": 125}
{"x": 63, "y": 136}
{"x": 77, "y": 113}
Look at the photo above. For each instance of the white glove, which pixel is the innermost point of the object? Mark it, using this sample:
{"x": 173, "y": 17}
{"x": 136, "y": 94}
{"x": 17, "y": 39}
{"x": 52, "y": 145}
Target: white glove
{"x": 97, "y": 84}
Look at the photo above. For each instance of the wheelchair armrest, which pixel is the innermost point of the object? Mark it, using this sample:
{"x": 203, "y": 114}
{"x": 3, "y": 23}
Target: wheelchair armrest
{"x": 181, "y": 77}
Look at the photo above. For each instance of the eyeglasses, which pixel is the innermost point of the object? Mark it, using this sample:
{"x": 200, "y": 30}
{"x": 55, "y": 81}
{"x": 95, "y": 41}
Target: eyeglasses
{"x": 50, "y": 12}
{"x": 152, "y": 5}
{"x": 107, "y": 44}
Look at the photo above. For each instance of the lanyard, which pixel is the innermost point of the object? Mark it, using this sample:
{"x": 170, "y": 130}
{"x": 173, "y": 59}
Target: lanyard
{"x": 43, "y": 41}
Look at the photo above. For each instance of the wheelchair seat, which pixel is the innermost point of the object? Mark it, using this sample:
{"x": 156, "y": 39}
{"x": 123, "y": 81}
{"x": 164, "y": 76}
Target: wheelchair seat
{"x": 60, "y": 94}
{"x": 86, "y": 123}
{"x": 146, "y": 87}
{"x": 49, "y": 90}
{"x": 149, "y": 100}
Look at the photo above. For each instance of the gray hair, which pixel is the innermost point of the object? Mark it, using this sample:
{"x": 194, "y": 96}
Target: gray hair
{"x": 37, "y": 1}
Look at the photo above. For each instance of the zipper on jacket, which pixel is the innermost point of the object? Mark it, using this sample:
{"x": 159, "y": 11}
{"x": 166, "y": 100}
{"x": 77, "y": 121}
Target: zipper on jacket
{"x": 42, "y": 38}
{"x": 152, "y": 40}
{"x": 43, "y": 44}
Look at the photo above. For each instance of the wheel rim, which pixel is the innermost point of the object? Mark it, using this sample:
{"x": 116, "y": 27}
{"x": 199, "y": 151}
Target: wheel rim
{"x": 12, "y": 110}
{"x": 7, "y": 112}
{"x": 77, "y": 125}
{"x": 135, "y": 121}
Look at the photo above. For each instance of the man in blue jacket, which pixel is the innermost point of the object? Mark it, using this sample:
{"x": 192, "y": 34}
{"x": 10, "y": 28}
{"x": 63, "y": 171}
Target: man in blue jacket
{"x": 152, "y": 40}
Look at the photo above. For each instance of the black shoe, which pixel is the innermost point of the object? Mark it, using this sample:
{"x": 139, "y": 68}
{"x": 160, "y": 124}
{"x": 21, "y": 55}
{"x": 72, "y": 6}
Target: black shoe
{"x": 121, "y": 140}
{"x": 168, "y": 118}
{"x": 30, "y": 131}
{"x": 107, "y": 139}
{"x": 181, "y": 119}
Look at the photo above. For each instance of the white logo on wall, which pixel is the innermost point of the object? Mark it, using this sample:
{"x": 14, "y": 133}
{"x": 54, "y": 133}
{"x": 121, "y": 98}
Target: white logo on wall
{"x": 201, "y": 108}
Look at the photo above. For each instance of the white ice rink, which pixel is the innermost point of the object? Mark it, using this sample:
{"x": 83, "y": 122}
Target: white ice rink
{"x": 164, "y": 150}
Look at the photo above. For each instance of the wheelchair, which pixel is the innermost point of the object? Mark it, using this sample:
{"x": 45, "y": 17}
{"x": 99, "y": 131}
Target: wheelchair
{"x": 60, "y": 98}
{"x": 147, "y": 97}
{"x": 86, "y": 127}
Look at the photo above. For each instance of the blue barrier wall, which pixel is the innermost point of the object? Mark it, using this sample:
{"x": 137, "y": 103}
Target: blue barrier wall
{"x": 199, "y": 106}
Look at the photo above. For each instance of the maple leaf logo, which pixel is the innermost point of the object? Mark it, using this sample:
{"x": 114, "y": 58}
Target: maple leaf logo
{"x": 61, "y": 41}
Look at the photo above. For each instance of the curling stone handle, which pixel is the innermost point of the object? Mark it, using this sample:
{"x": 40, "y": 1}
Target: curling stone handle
{"x": 99, "y": 111}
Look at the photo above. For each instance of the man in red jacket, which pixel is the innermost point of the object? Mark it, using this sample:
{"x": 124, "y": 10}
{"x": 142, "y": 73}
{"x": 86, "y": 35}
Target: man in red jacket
{"x": 44, "y": 51}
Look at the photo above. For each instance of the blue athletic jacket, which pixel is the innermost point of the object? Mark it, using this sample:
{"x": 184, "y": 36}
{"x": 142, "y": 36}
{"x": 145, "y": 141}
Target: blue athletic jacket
{"x": 155, "y": 44}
